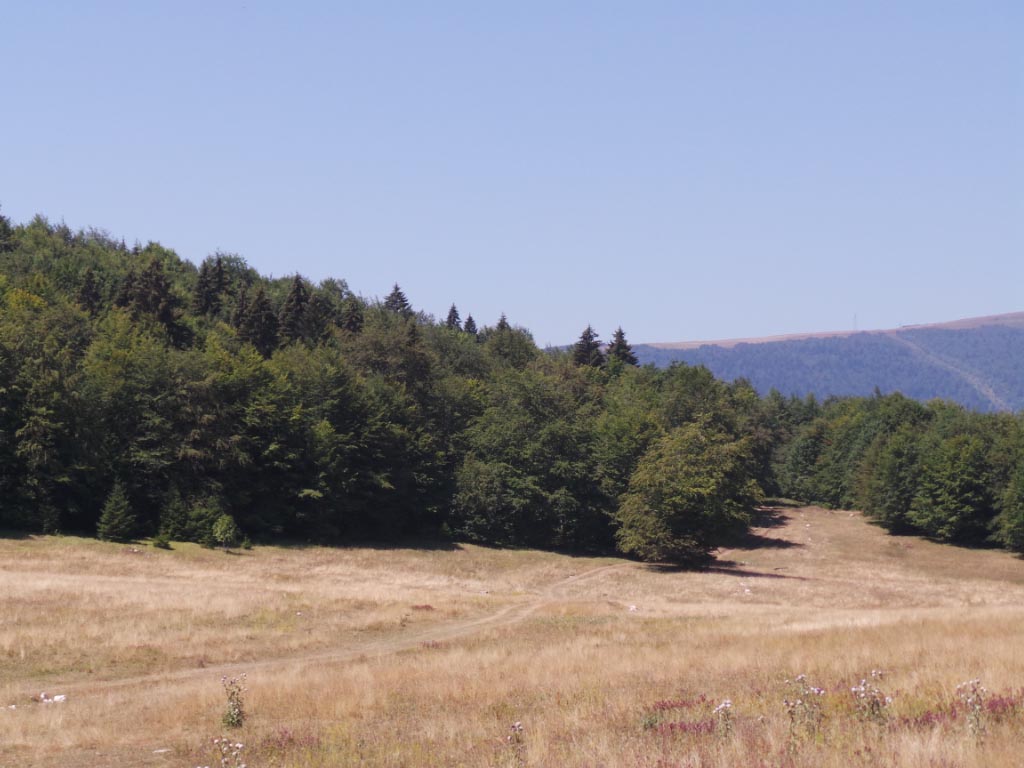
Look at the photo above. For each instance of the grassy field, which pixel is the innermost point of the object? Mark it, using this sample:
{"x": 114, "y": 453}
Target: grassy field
{"x": 401, "y": 657}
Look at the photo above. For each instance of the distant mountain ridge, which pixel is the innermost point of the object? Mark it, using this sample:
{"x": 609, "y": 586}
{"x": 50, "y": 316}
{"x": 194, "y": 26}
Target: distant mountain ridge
{"x": 973, "y": 361}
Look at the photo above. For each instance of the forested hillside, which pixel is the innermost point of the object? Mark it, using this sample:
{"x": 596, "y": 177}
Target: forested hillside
{"x": 976, "y": 367}
{"x": 143, "y": 396}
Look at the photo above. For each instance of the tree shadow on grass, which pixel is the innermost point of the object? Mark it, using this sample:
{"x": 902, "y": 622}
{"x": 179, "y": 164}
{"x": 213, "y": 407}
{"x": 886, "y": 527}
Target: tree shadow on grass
{"x": 724, "y": 567}
{"x": 11, "y": 533}
{"x": 764, "y": 518}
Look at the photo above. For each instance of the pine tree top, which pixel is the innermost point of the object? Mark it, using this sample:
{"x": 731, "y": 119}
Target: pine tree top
{"x": 620, "y": 349}
{"x": 587, "y": 351}
{"x": 397, "y": 302}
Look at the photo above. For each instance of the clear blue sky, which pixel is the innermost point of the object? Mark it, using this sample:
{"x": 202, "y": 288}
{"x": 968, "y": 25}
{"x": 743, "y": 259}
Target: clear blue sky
{"x": 689, "y": 170}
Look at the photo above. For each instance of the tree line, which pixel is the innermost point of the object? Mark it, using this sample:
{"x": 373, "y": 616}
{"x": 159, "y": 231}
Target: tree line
{"x": 144, "y": 396}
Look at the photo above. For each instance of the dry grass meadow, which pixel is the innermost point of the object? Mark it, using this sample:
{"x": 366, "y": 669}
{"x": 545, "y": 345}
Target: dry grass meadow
{"x": 403, "y": 657}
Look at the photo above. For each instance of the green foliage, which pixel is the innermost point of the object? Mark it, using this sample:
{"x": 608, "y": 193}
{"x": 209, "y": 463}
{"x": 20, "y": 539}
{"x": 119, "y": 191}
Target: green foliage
{"x": 587, "y": 350}
{"x": 225, "y": 531}
{"x": 257, "y": 324}
{"x": 453, "y": 322}
{"x": 689, "y": 492}
{"x": 293, "y": 320}
{"x": 128, "y": 411}
{"x": 397, "y": 302}
{"x": 620, "y": 350}
{"x": 117, "y": 521}
{"x": 1009, "y": 525}
{"x": 952, "y": 502}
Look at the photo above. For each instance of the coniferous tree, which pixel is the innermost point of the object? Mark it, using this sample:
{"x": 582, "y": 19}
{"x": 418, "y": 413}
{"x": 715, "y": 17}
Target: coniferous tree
{"x": 259, "y": 324}
{"x": 453, "y": 321}
{"x": 207, "y": 299}
{"x": 241, "y": 308}
{"x": 202, "y": 297}
{"x": 620, "y": 349}
{"x": 292, "y": 321}
{"x": 6, "y": 234}
{"x": 587, "y": 351}
{"x": 320, "y": 316}
{"x": 219, "y": 275}
{"x": 470, "y": 325}
{"x": 117, "y": 521}
{"x": 503, "y": 324}
{"x": 398, "y": 303}
{"x": 352, "y": 315}
{"x": 89, "y": 292}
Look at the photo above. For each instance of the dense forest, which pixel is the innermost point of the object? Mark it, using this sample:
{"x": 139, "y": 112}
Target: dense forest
{"x": 976, "y": 367}
{"x": 144, "y": 396}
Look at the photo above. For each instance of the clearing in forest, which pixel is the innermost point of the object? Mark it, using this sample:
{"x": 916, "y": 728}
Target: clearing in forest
{"x": 478, "y": 657}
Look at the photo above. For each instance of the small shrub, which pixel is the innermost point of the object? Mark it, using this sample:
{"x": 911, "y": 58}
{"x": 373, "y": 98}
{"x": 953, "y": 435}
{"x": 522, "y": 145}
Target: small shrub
{"x": 225, "y": 531}
{"x": 234, "y": 688}
{"x": 160, "y": 541}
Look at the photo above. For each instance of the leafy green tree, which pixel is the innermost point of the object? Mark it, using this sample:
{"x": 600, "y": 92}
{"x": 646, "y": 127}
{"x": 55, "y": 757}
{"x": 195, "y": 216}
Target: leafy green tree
{"x": 587, "y": 350}
{"x": 506, "y": 346}
{"x": 1009, "y": 524}
{"x": 953, "y": 501}
{"x": 620, "y": 349}
{"x": 689, "y": 492}
{"x": 470, "y": 325}
{"x": 453, "y": 322}
{"x": 117, "y": 521}
{"x": 529, "y": 473}
{"x": 892, "y": 473}
{"x": 6, "y": 235}
{"x": 225, "y": 532}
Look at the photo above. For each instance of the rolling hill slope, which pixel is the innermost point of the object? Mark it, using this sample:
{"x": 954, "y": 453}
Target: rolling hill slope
{"x": 975, "y": 362}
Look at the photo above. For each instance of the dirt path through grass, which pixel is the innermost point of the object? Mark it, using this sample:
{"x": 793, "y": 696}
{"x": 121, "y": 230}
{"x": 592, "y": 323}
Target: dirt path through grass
{"x": 447, "y": 632}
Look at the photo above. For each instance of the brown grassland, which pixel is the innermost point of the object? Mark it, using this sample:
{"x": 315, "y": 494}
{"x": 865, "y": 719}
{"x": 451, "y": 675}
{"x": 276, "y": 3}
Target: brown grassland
{"x": 427, "y": 657}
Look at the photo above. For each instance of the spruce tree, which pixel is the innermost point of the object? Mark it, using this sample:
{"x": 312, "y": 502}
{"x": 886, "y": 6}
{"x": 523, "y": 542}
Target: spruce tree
{"x": 620, "y": 349}
{"x": 220, "y": 277}
{"x": 208, "y": 296}
{"x": 352, "y": 315}
{"x": 320, "y": 315}
{"x": 259, "y": 324}
{"x": 292, "y": 321}
{"x": 202, "y": 297}
{"x": 396, "y": 302}
{"x": 89, "y": 292}
{"x": 453, "y": 322}
{"x": 241, "y": 308}
{"x": 587, "y": 351}
{"x": 470, "y": 325}
{"x": 117, "y": 521}
{"x": 503, "y": 324}
{"x": 6, "y": 234}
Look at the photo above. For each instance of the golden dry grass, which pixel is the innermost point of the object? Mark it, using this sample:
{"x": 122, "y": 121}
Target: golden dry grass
{"x": 347, "y": 665}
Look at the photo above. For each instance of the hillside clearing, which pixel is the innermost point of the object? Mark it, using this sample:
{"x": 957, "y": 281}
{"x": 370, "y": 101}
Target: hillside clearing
{"x": 427, "y": 657}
